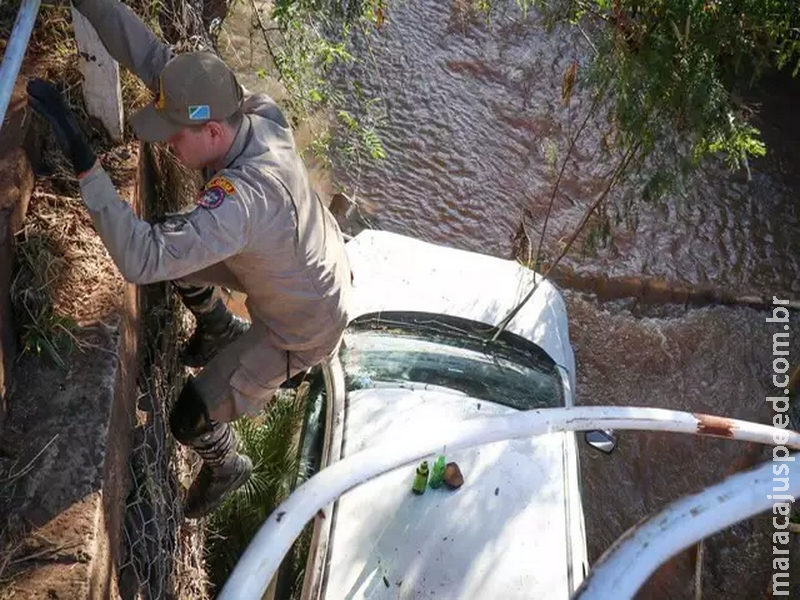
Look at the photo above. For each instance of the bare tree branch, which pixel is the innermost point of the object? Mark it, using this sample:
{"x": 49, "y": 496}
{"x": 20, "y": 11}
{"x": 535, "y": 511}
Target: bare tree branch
{"x": 556, "y": 185}
{"x": 621, "y": 167}
{"x": 264, "y": 31}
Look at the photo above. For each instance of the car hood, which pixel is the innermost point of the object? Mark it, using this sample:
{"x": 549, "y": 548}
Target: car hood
{"x": 503, "y": 534}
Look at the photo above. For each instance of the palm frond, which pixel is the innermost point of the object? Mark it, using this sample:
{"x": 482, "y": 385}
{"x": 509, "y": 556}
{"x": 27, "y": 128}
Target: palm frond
{"x": 270, "y": 440}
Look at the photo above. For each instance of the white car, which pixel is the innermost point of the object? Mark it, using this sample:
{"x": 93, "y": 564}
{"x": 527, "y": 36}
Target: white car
{"x": 420, "y": 368}
{"x": 418, "y": 354}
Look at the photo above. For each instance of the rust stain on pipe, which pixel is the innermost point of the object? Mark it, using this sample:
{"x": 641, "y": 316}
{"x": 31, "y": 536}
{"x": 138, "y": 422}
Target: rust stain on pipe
{"x": 714, "y": 426}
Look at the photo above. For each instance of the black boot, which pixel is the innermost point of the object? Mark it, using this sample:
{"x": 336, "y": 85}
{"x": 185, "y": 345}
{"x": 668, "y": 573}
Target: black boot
{"x": 214, "y": 330}
{"x": 223, "y": 470}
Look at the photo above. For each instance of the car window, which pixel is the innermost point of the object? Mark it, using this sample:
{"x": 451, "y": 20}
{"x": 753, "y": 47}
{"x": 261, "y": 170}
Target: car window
{"x": 415, "y": 349}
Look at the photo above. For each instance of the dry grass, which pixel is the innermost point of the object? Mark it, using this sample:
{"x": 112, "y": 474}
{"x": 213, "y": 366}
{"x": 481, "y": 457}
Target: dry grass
{"x": 64, "y": 274}
{"x": 176, "y": 185}
{"x": 134, "y": 93}
{"x": 65, "y": 270}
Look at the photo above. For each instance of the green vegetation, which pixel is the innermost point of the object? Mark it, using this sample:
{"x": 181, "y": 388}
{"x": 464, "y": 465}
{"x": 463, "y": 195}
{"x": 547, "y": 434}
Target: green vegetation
{"x": 678, "y": 66}
{"x": 42, "y": 329}
{"x": 669, "y": 79}
{"x": 673, "y": 70}
{"x": 307, "y": 40}
{"x": 271, "y": 442}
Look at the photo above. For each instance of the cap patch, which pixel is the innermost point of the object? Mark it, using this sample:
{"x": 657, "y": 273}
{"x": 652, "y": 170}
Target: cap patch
{"x": 201, "y": 112}
{"x": 221, "y": 182}
{"x": 211, "y": 197}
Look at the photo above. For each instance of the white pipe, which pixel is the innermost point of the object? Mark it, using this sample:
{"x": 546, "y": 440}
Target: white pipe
{"x": 15, "y": 52}
{"x": 260, "y": 561}
{"x": 627, "y": 565}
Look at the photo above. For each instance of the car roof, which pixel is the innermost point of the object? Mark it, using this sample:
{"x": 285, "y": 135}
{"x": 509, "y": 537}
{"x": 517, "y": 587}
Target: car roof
{"x": 503, "y": 534}
{"x": 393, "y": 272}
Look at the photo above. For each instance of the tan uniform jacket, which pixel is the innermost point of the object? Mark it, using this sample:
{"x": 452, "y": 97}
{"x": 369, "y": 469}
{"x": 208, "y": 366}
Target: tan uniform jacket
{"x": 271, "y": 232}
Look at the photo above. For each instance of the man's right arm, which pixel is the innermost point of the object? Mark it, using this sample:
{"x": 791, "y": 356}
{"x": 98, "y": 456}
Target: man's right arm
{"x": 127, "y": 38}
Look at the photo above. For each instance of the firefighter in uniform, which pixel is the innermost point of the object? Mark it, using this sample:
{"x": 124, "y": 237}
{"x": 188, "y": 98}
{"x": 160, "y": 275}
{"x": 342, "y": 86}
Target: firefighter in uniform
{"x": 257, "y": 226}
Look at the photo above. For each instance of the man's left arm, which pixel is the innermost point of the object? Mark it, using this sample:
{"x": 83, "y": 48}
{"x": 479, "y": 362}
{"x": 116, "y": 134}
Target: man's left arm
{"x": 182, "y": 244}
{"x": 217, "y": 229}
{"x": 144, "y": 253}
{"x": 127, "y": 39}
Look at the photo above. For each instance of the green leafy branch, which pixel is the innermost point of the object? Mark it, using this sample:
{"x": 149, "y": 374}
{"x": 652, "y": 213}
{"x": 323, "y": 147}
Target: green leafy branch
{"x": 307, "y": 41}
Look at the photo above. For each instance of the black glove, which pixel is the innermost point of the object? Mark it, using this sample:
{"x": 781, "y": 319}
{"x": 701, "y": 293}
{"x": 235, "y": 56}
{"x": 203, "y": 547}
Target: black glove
{"x": 46, "y": 100}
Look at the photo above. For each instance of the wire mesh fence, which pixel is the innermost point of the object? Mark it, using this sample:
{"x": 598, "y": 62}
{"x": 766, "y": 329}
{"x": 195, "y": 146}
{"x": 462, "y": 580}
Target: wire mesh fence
{"x": 162, "y": 556}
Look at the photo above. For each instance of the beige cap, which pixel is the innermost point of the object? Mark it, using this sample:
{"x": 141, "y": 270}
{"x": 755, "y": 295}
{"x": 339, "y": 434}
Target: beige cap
{"x": 194, "y": 88}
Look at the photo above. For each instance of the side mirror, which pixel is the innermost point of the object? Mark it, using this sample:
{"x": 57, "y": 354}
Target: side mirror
{"x": 601, "y": 439}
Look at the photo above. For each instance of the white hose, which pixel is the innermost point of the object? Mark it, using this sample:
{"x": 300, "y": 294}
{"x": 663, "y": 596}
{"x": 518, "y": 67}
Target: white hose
{"x": 263, "y": 556}
{"x": 628, "y": 564}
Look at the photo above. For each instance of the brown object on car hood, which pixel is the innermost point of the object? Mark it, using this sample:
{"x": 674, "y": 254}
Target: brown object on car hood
{"x": 452, "y": 476}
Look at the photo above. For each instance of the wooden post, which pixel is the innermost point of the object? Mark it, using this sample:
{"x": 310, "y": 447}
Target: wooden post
{"x": 101, "y": 87}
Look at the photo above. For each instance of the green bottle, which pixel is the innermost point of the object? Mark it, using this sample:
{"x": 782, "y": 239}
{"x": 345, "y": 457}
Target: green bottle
{"x": 421, "y": 478}
{"x": 437, "y": 474}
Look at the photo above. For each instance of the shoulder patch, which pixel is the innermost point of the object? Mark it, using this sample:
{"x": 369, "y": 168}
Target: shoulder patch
{"x": 214, "y": 192}
{"x": 211, "y": 197}
{"x": 223, "y": 183}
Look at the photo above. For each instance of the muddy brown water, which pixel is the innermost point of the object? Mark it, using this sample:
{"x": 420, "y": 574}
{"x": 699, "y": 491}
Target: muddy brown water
{"x": 472, "y": 116}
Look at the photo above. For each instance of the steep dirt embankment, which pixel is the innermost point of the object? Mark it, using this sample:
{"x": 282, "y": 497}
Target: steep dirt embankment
{"x": 19, "y": 150}
{"x": 66, "y": 438}
{"x": 88, "y": 368}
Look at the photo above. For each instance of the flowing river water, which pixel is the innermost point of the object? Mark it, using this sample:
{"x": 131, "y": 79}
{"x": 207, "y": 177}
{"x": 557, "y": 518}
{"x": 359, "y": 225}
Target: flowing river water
{"x": 473, "y": 117}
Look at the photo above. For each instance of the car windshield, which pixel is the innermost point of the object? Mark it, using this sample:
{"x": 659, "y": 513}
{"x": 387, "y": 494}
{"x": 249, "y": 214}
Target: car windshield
{"x": 419, "y": 350}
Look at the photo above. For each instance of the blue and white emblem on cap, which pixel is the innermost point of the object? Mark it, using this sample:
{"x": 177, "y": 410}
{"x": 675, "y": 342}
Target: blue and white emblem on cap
{"x": 199, "y": 113}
